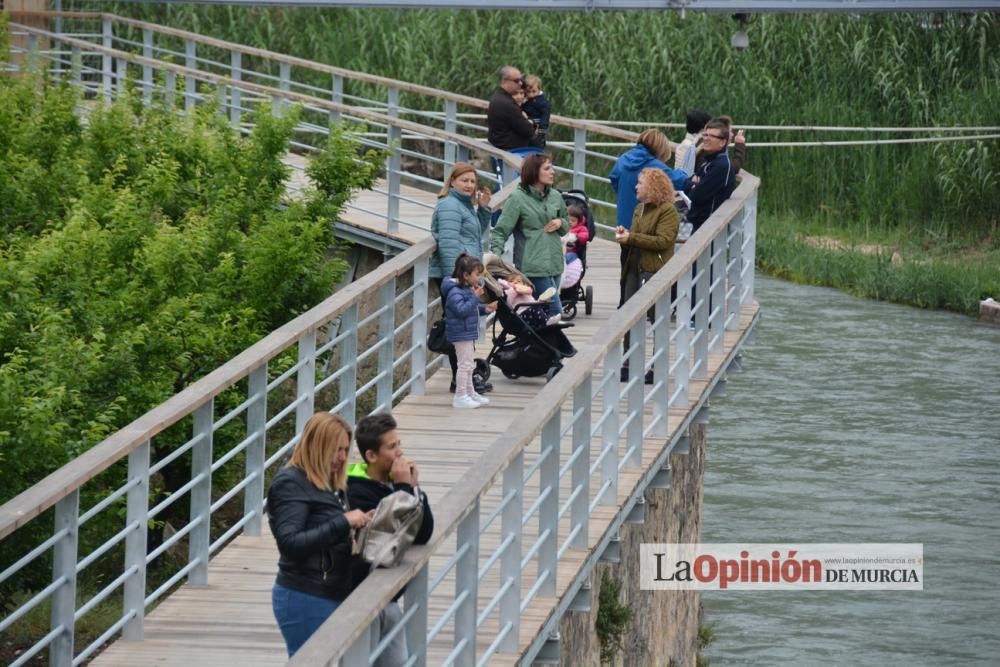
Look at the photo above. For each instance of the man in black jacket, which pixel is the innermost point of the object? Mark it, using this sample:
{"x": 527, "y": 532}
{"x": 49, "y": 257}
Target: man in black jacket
{"x": 507, "y": 126}
{"x": 715, "y": 178}
{"x": 385, "y": 470}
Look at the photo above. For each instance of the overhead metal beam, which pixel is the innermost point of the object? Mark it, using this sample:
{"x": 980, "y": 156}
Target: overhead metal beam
{"x": 726, "y": 6}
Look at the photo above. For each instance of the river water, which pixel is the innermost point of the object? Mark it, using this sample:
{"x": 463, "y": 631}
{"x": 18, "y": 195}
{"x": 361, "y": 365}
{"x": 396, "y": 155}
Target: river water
{"x": 858, "y": 421}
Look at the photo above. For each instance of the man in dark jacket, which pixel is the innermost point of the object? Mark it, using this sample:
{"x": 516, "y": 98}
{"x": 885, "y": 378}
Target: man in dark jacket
{"x": 715, "y": 178}
{"x": 507, "y": 125}
{"x": 384, "y": 471}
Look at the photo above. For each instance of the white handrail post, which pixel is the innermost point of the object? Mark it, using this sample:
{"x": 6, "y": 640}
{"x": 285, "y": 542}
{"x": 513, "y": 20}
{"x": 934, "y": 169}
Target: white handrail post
{"x": 749, "y": 246}
{"x": 137, "y": 502}
{"x": 416, "y": 595}
{"x": 284, "y": 83}
{"x": 467, "y": 584}
{"x": 418, "y": 331}
{"x": 610, "y": 413}
{"x": 306, "y": 381}
{"x": 580, "y": 512}
{"x": 235, "y": 96}
{"x": 450, "y": 125}
{"x": 57, "y": 6}
{"x": 191, "y": 62}
{"x": 700, "y": 361}
{"x": 171, "y": 89}
{"x": 253, "y": 496}
{"x": 147, "y": 69}
{"x": 121, "y": 76}
{"x": 734, "y": 286}
{"x": 683, "y": 347}
{"x": 107, "y": 36}
{"x": 394, "y": 140}
{"x": 510, "y": 561}
{"x": 337, "y": 95}
{"x": 76, "y": 66}
{"x": 201, "y": 494}
{"x": 360, "y": 651}
{"x": 64, "y": 553}
{"x": 579, "y": 158}
{"x": 33, "y": 54}
{"x": 717, "y": 288}
{"x": 635, "y": 398}
{"x": 386, "y": 324}
{"x": 548, "y": 510}
{"x": 348, "y": 382}
{"x": 661, "y": 367}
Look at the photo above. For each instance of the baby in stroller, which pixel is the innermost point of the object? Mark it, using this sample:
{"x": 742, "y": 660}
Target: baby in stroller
{"x": 581, "y": 232}
{"x": 517, "y": 290}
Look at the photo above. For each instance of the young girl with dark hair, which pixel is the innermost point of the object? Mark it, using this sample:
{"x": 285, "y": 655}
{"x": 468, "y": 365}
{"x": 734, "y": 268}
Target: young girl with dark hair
{"x": 462, "y": 309}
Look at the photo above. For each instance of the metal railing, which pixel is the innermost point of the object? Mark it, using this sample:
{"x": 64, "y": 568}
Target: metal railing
{"x": 509, "y": 512}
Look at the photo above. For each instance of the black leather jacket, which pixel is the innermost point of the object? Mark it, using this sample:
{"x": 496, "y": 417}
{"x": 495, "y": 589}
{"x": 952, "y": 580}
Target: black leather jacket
{"x": 313, "y": 536}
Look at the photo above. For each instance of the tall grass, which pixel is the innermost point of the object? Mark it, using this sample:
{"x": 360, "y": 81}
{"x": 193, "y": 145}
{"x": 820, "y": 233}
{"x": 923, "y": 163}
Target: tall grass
{"x": 869, "y": 70}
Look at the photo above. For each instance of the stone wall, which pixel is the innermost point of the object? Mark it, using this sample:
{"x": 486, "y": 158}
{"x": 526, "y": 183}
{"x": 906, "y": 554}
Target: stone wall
{"x": 664, "y": 627}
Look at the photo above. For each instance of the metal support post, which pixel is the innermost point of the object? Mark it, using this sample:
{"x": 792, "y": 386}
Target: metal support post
{"x": 548, "y": 511}
{"x": 235, "y": 95}
{"x": 284, "y": 83}
{"x": 171, "y": 89}
{"x": 394, "y": 163}
{"x": 699, "y": 363}
{"x": 76, "y": 66}
{"x": 306, "y": 381}
{"x": 360, "y": 650}
{"x": 580, "y": 511}
{"x": 253, "y": 496}
{"x": 418, "y": 339}
{"x": 467, "y": 585}
{"x": 749, "y": 247}
{"x": 137, "y": 501}
{"x": 450, "y": 125}
{"x": 717, "y": 288}
{"x": 660, "y": 394}
{"x": 386, "y": 354}
{"x": 107, "y": 35}
{"x": 147, "y": 69}
{"x": 733, "y": 266}
{"x": 191, "y": 62}
{"x": 510, "y": 561}
{"x": 348, "y": 382}
{"x": 579, "y": 158}
{"x": 683, "y": 374}
{"x": 416, "y": 629}
{"x": 201, "y": 494}
{"x": 337, "y": 95}
{"x": 609, "y": 441}
{"x": 64, "y": 555}
{"x": 636, "y": 393}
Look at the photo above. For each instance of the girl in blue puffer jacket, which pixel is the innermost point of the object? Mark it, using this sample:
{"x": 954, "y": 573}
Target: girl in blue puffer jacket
{"x": 462, "y": 308}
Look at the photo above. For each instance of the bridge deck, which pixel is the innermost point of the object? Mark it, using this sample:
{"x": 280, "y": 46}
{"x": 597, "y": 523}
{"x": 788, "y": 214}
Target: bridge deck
{"x": 229, "y": 622}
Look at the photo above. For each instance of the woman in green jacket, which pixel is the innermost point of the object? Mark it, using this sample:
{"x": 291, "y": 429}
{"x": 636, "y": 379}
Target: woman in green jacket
{"x": 649, "y": 243}
{"x": 536, "y": 211}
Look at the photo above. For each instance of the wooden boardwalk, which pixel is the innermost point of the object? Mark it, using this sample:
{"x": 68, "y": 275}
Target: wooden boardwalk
{"x": 229, "y": 622}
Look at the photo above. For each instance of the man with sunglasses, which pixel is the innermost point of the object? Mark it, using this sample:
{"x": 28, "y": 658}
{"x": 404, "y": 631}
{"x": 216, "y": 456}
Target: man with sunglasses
{"x": 508, "y": 127}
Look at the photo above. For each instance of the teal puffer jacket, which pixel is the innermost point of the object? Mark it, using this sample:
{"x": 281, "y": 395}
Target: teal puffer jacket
{"x": 457, "y": 227}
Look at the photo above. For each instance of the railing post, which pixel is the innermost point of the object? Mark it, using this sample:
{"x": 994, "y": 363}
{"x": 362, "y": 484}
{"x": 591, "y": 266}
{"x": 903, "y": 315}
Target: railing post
{"x": 337, "y": 95}
{"x": 348, "y": 382}
{"x": 57, "y": 6}
{"x": 683, "y": 346}
{"x": 306, "y": 381}
{"x": 510, "y": 561}
{"x": 253, "y": 496}
{"x": 107, "y": 36}
{"x": 548, "y": 511}
{"x": 733, "y": 266}
{"x": 579, "y": 158}
{"x": 284, "y": 83}
{"x": 749, "y": 247}
{"x": 360, "y": 651}
{"x": 416, "y": 629}
{"x": 147, "y": 69}
{"x": 467, "y": 584}
{"x": 386, "y": 354}
{"x": 450, "y": 125}
{"x": 418, "y": 330}
{"x": 201, "y": 494}
{"x": 609, "y": 434}
{"x": 121, "y": 76}
{"x": 635, "y": 399}
{"x": 76, "y": 66}
{"x": 171, "y": 89}
{"x": 660, "y": 393}
{"x": 394, "y": 140}
{"x": 64, "y": 553}
{"x": 235, "y": 96}
{"x": 191, "y": 62}
{"x": 699, "y": 363}
{"x": 717, "y": 288}
{"x": 580, "y": 511}
{"x": 33, "y": 59}
{"x": 137, "y": 501}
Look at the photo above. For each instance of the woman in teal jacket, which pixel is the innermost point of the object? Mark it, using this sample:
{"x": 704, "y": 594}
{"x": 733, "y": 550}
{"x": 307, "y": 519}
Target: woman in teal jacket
{"x": 537, "y": 210}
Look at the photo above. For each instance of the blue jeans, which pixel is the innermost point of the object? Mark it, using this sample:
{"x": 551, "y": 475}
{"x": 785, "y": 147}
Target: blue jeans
{"x": 541, "y": 284}
{"x": 299, "y": 615}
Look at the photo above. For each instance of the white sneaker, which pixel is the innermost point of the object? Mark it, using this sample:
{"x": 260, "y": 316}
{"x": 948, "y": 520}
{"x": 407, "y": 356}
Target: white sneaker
{"x": 479, "y": 398}
{"x": 547, "y": 294}
{"x": 465, "y": 403}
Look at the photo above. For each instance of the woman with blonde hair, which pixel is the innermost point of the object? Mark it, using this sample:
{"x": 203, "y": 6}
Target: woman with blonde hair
{"x": 309, "y": 518}
{"x": 648, "y": 244}
{"x": 458, "y": 227}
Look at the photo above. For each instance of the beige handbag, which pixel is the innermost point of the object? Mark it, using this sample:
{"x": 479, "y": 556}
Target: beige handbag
{"x": 393, "y": 528}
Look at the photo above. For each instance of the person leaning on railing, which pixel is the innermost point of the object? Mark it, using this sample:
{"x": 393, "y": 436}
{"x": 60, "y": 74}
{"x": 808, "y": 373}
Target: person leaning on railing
{"x": 310, "y": 521}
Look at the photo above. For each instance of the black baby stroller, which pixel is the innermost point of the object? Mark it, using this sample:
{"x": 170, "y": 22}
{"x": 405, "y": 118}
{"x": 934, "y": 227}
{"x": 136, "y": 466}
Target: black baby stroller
{"x": 571, "y": 295}
{"x": 521, "y": 351}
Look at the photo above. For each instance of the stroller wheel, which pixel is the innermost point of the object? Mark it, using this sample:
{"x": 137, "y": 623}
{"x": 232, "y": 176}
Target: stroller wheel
{"x": 589, "y": 300}
{"x": 509, "y": 376}
{"x": 482, "y": 370}
{"x": 568, "y": 310}
{"x": 551, "y": 373}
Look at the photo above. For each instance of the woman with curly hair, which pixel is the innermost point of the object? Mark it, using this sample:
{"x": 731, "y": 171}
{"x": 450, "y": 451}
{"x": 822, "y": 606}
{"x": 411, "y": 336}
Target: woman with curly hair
{"x": 649, "y": 243}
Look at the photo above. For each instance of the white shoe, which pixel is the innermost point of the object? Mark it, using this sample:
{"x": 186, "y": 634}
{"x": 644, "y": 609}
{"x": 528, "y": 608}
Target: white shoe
{"x": 479, "y": 398}
{"x": 547, "y": 294}
{"x": 465, "y": 403}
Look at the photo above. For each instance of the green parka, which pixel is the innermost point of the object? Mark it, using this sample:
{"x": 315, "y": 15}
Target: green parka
{"x": 531, "y": 209}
